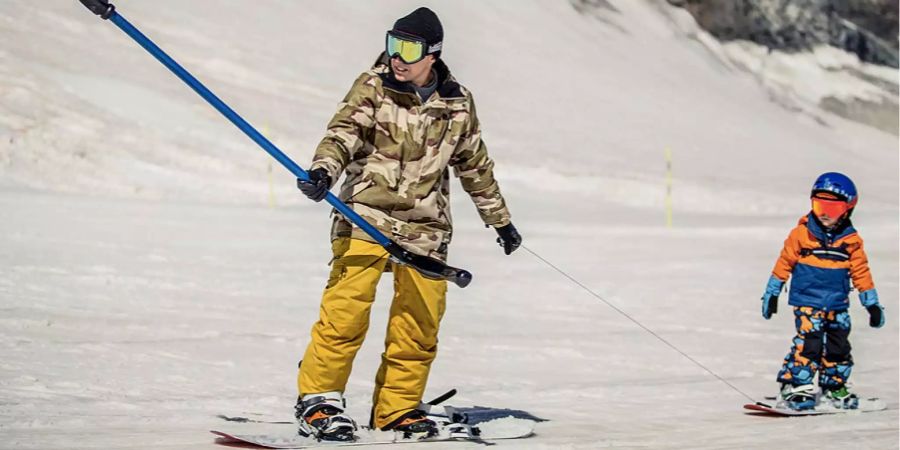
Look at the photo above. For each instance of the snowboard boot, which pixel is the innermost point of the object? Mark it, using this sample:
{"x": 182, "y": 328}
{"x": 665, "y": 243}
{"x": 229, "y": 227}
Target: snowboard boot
{"x": 414, "y": 425}
{"x": 841, "y": 398}
{"x": 322, "y": 417}
{"x": 798, "y": 398}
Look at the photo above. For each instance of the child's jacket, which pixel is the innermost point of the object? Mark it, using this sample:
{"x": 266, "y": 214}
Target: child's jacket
{"x": 822, "y": 264}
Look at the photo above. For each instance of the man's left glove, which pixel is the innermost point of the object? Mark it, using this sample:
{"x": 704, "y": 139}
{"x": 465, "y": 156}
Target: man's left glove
{"x": 509, "y": 239}
{"x": 317, "y": 186}
{"x": 869, "y": 299}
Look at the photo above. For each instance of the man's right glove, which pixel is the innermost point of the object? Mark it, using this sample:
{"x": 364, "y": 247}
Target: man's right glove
{"x": 770, "y": 297}
{"x": 869, "y": 299}
{"x": 509, "y": 238}
{"x": 317, "y": 186}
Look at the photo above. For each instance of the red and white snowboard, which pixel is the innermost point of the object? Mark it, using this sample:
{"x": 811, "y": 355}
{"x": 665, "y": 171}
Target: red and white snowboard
{"x": 865, "y": 405}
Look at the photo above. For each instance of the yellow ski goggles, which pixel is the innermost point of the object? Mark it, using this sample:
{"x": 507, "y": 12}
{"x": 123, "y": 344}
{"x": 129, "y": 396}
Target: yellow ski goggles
{"x": 410, "y": 49}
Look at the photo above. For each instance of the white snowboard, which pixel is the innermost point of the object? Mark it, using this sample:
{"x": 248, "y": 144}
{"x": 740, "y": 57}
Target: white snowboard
{"x": 497, "y": 429}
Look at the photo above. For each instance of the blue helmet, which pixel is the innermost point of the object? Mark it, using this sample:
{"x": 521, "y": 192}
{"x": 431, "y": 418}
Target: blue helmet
{"x": 838, "y": 184}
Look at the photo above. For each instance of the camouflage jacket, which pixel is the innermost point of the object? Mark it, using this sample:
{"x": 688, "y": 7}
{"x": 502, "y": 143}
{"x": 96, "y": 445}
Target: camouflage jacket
{"x": 396, "y": 152}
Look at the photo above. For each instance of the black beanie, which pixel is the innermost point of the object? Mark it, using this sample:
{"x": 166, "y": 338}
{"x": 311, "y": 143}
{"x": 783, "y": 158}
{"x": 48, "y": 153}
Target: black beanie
{"x": 423, "y": 23}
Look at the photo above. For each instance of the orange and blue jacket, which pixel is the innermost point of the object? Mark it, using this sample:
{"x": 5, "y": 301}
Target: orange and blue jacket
{"x": 822, "y": 264}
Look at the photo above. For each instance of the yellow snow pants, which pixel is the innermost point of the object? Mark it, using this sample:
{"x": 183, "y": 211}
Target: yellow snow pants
{"x": 411, "y": 342}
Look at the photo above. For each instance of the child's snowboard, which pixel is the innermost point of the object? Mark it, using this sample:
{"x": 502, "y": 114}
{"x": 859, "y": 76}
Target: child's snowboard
{"x": 865, "y": 405}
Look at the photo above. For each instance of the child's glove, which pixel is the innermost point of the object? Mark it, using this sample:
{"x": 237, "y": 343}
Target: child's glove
{"x": 770, "y": 297}
{"x": 869, "y": 299}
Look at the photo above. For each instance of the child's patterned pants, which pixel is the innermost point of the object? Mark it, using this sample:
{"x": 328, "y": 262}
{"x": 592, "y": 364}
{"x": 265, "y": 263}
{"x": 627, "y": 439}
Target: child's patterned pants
{"x": 820, "y": 344}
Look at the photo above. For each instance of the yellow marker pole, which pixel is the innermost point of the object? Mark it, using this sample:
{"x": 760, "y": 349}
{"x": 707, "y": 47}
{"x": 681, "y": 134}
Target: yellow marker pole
{"x": 668, "y": 187}
{"x": 265, "y": 131}
{"x": 271, "y": 187}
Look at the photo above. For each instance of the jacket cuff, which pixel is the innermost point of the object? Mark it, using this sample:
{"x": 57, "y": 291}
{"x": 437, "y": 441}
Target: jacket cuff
{"x": 504, "y": 221}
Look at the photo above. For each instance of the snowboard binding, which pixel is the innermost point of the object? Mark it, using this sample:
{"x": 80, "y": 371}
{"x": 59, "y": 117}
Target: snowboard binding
{"x": 322, "y": 417}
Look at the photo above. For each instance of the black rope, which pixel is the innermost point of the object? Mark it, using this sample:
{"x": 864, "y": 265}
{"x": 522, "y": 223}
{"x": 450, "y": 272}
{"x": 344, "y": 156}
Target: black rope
{"x": 598, "y": 297}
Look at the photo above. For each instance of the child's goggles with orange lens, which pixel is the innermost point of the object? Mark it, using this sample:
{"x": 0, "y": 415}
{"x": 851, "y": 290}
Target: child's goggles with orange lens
{"x": 834, "y": 208}
{"x": 410, "y": 49}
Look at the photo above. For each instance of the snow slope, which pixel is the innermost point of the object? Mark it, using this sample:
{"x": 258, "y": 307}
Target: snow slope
{"x": 155, "y": 273}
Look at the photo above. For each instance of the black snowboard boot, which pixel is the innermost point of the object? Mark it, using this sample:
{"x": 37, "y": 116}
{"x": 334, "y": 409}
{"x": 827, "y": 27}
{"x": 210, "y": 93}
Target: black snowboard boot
{"x": 414, "y": 425}
{"x": 321, "y": 416}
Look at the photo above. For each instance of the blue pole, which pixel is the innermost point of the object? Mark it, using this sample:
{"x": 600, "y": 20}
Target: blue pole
{"x": 427, "y": 266}
{"x": 238, "y": 121}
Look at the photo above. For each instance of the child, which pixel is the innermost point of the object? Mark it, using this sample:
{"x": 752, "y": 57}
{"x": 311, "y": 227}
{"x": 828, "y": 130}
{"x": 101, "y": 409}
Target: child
{"x": 823, "y": 253}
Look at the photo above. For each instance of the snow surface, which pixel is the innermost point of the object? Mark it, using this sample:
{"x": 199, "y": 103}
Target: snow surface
{"x": 156, "y": 270}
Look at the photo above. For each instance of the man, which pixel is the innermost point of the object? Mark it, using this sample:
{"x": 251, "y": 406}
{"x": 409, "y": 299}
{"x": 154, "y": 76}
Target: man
{"x": 396, "y": 135}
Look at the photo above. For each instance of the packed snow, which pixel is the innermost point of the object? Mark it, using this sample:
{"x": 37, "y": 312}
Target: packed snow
{"x": 157, "y": 269}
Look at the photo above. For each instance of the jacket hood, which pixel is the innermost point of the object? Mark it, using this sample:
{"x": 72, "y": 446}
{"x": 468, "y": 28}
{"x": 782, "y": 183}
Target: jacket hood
{"x": 448, "y": 87}
{"x": 844, "y": 229}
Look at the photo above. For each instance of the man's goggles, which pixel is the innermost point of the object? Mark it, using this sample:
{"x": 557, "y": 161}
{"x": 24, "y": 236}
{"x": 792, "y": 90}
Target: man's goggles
{"x": 410, "y": 49}
{"x": 832, "y": 207}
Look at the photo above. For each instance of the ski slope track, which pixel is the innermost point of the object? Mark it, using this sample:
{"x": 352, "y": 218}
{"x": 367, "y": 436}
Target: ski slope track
{"x": 157, "y": 269}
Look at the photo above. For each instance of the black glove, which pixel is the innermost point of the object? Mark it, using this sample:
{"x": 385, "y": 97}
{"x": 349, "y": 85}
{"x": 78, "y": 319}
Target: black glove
{"x": 876, "y": 315}
{"x": 770, "y": 306}
{"x": 509, "y": 239}
{"x": 317, "y": 186}
{"x": 770, "y": 297}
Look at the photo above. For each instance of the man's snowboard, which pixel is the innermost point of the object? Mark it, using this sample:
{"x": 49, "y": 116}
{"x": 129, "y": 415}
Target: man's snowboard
{"x": 508, "y": 428}
{"x": 774, "y": 409}
{"x": 472, "y": 424}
